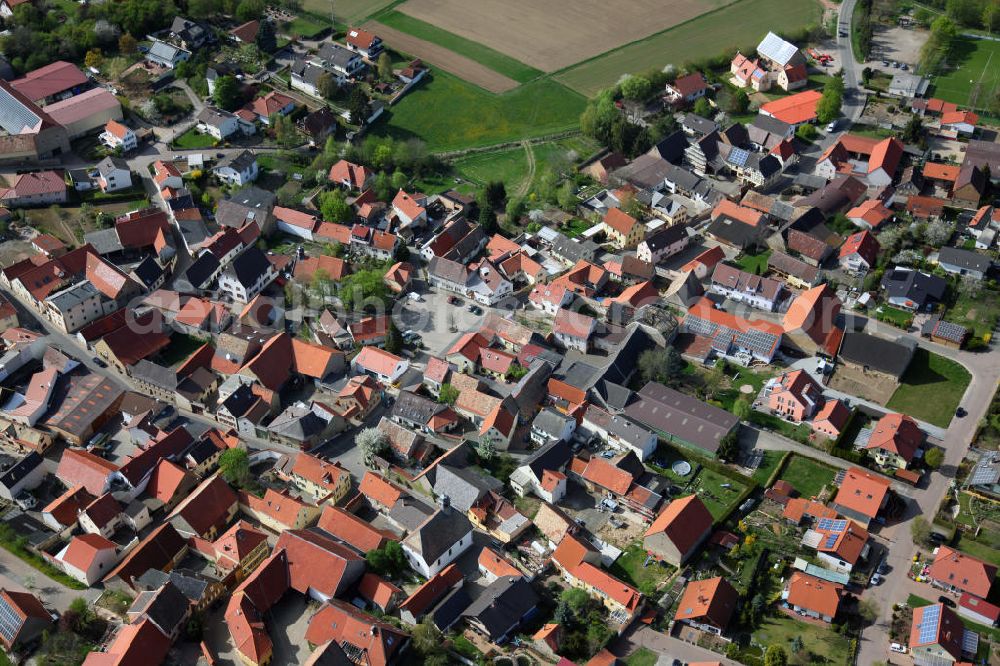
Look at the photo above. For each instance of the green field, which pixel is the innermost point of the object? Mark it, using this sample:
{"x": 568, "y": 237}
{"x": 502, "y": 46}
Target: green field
{"x": 305, "y": 27}
{"x": 753, "y": 263}
{"x": 511, "y": 164}
{"x": 741, "y": 24}
{"x": 821, "y": 645}
{"x": 193, "y": 140}
{"x": 450, "y": 114}
{"x": 977, "y": 61}
{"x": 931, "y": 388}
{"x": 807, "y": 476}
{"x": 484, "y": 55}
{"x": 350, "y": 11}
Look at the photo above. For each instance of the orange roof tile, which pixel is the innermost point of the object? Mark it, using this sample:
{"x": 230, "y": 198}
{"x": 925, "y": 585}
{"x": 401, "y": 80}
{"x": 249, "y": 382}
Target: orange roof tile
{"x": 794, "y": 109}
{"x": 814, "y": 594}
{"x": 962, "y": 571}
{"x": 379, "y": 490}
{"x": 737, "y": 212}
{"x": 572, "y": 551}
{"x": 684, "y": 521}
{"x": 497, "y": 564}
{"x": 613, "y": 589}
{"x": 620, "y": 221}
{"x": 862, "y": 491}
{"x": 352, "y": 530}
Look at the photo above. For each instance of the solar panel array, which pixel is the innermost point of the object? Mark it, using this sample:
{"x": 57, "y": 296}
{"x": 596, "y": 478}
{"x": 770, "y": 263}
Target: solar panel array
{"x": 984, "y": 474}
{"x": 831, "y": 525}
{"x": 830, "y": 540}
{"x": 15, "y": 117}
{"x": 929, "y": 624}
{"x": 950, "y": 331}
{"x": 738, "y": 156}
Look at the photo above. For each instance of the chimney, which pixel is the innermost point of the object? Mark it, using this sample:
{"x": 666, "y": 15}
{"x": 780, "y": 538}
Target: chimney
{"x": 445, "y": 504}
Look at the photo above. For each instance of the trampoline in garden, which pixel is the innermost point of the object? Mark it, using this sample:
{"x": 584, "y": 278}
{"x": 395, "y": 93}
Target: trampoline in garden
{"x": 681, "y": 467}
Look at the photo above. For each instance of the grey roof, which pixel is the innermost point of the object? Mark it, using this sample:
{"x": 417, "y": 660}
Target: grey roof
{"x": 646, "y": 171}
{"x": 415, "y": 408}
{"x": 685, "y": 290}
{"x": 550, "y": 422}
{"x": 573, "y": 251}
{"x": 155, "y": 374}
{"x": 448, "y": 270}
{"x": 297, "y": 423}
{"x": 249, "y": 266}
{"x": 913, "y": 285}
{"x": 72, "y": 296}
{"x": 619, "y": 425}
{"x": 201, "y": 270}
{"x": 624, "y": 360}
{"x": 167, "y": 607}
{"x": 213, "y": 116}
{"x": 698, "y": 124}
{"x": 789, "y": 265}
{"x": 502, "y": 606}
{"x": 614, "y": 396}
{"x": 532, "y": 388}
{"x": 409, "y": 513}
{"x": 13, "y": 475}
{"x": 194, "y": 231}
{"x": 665, "y": 410}
{"x": 463, "y": 486}
{"x": 336, "y": 55}
{"x": 104, "y": 241}
{"x": 438, "y": 533}
{"x": 908, "y": 85}
{"x": 164, "y": 52}
{"x": 192, "y": 585}
{"x": 554, "y": 456}
{"x": 666, "y": 236}
{"x": 449, "y": 610}
{"x": 240, "y": 400}
{"x": 148, "y": 272}
{"x": 770, "y": 125}
{"x": 670, "y": 148}
{"x": 240, "y": 162}
{"x": 966, "y": 259}
{"x": 110, "y": 163}
{"x": 249, "y": 204}
{"x": 733, "y": 232}
{"x": 879, "y": 354}
{"x": 309, "y": 71}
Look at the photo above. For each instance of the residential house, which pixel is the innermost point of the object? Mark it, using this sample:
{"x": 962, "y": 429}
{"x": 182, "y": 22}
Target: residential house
{"x": 551, "y": 426}
{"x": 708, "y": 605}
{"x": 296, "y": 223}
{"x": 438, "y": 541}
{"x": 367, "y": 640}
{"x": 619, "y": 431}
{"x": 813, "y": 597}
{"x": 351, "y": 176}
{"x": 742, "y": 287}
{"x": 503, "y": 607}
{"x": 117, "y": 135}
{"x": 894, "y": 441}
{"x": 88, "y": 557}
{"x": 679, "y": 530}
{"x": 686, "y": 89}
{"x": 863, "y": 495}
{"x": 166, "y": 55}
{"x": 958, "y": 261}
{"x": 240, "y": 169}
{"x": 910, "y": 289}
{"x": 23, "y": 618}
{"x": 39, "y": 188}
{"x": 573, "y": 330}
{"x": 840, "y": 544}
{"x": 382, "y": 365}
{"x": 663, "y": 243}
{"x": 323, "y": 481}
{"x": 543, "y": 474}
{"x": 956, "y": 571}
{"x": 278, "y": 511}
{"x": 794, "y": 396}
{"x": 859, "y": 252}
{"x": 623, "y": 230}
{"x": 870, "y": 214}
{"x": 366, "y": 43}
{"x": 937, "y": 636}
{"x": 731, "y": 335}
{"x": 622, "y": 600}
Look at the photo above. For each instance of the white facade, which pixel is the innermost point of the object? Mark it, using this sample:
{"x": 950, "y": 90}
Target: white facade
{"x": 244, "y": 294}
{"x": 428, "y": 569}
{"x": 128, "y": 142}
{"x": 244, "y": 176}
{"x": 104, "y": 561}
{"x": 116, "y": 179}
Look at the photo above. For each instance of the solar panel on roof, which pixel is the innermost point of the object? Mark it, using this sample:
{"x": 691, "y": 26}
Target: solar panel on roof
{"x": 739, "y": 156}
{"x": 929, "y": 623}
{"x": 830, "y": 540}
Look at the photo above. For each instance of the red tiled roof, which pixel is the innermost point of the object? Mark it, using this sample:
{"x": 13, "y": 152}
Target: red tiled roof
{"x": 794, "y": 109}
{"x": 942, "y": 628}
{"x": 497, "y": 564}
{"x": 872, "y": 211}
{"x": 689, "y": 84}
{"x": 79, "y": 467}
{"x": 49, "y": 80}
{"x": 374, "y": 640}
{"x": 64, "y": 509}
{"x": 352, "y": 530}
{"x": 377, "y": 360}
{"x": 407, "y": 205}
{"x": 864, "y": 243}
{"x": 737, "y": 212}
{"x": 611, "y": 587}
{"x": 317, "y": 562}
{"x": 430, "y": 592}
{"x": 962, "y": 571}
{"x": 359, "y": 38}
{"x": 711, "y": 600}
{"x": 620, "y": 221}
{"x": 938, "y": 171}
{"x": 862, "y": 491}
{"x": 814, "y": 594}
{"x": 897, "y": 433}
{"x": 572, "y": 551}
{"x": 376, "y": 488}
{"x": 333, "y": 232}
{"x": 246, "y": 32}
{"x": 684, "y": 521}
{"x": 208, "y": 506}
{"x": 378, "y": 590}
{"x": 83, "y": 548}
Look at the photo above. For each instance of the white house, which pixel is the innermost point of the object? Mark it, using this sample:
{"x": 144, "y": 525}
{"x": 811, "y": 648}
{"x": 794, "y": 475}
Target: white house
{"x": 662, "y": 243}
{"x": 116, "y": 135}
{"x": 166, "y": 55}
{"x": 491, "y": 287}
{"x": 551, "y": 426}
{"x": 247, "y": 275}
{"x": 239, "y": 170}
{"x": 113, "y": 174}
{"x": 88, "y": 558}
{"x": 439, "y": 541}
{"x": 619, "y": 431}
{"x": 222, "y": 124}
{"x": 382, "y": 365}
{"x": 295, "y": 222}
{"x": 341, "y": 59}
{"x": 26, "y": 474}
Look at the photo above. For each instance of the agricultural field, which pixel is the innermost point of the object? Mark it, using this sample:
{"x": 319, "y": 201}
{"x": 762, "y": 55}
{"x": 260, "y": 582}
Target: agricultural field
{"x": 741, "y": 24}
{"x": 975, "y": 75}
{"x": 348, "y": 11}
{"x": 450, "y": 114}
{"x": 484, "y": 55}
{"x": 550, "y": 36}
{"x": 931, "y": 388}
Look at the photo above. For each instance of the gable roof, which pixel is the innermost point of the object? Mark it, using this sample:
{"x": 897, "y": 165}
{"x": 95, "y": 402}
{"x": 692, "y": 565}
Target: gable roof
{"x": 963, "y": 571}
{"x": 862, "y": 491}
{"x": 814, "y": 594}
{"x": 352, "y": 530}
{"x": 897, "y": 433}
{"x": 711, "y": 600}
{"x": 684, "y": 522}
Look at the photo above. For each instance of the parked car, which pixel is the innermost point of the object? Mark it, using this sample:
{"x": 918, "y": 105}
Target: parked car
{"x": 475, "y": 309}
{"x": 454, "y": 300}
{"x": 100, "y": 363}
{"x": 876, "y": 579}
{"x": 896, "y": 647}
{"x": 832, "y": 126}
{"x": 26, "y": 501}
{"x": 414, "y": 296}
{"x": 960, "y": 412}
{"x": 947, "y": 601}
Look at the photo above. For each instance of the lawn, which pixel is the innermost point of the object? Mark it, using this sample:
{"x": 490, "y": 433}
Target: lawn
{"x": 767, "y": 466}
{"x": 978, "y": 314}
{"x": 986, "y": 547}
{"x": 823, "y": 643}
{"x": 305, "y": 27}
{"x": 931, "y": 389}
{"x": 913, "y": 601}
{"x": 575, "y": 227}
{"x": 450, "y": 114}
{"x": 894, "y": 316}
{"x": 484, "y": 55}
{"x": 642, "y": 657}
{"x": 647, "y": 580}
{"x": 742, "y": 24}
{"x": 709, "y": 486}
{"x": 977, "y": 67}
{"x": 180, "y": 348}
{"x": 807, "y": 475}
{"x": 509, "y": 165}
{"x": 754, "y": 263}
{"x": 193, "y": 140}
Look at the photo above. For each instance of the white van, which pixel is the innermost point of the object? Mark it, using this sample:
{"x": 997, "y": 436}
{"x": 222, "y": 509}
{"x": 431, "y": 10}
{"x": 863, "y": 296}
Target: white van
{"x": 414, "y": 296}
{"x": 896, "y": 647}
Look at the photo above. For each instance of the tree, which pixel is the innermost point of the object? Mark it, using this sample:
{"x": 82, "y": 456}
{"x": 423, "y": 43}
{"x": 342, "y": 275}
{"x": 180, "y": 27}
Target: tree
{"x": 385, "y": 67}
{"x": 127, "y": 44}
{"x": 448, "y": 394}
{"x": 713, "y": 381}
{"x": 828, "y": 107}
{"x": 267, "y": 39}
{"x": 741, "y": 409}
{"x": 357, "y": 106}
{"x": 249, "y": 10}
{"x": 488, "y": 219}
{"x": 383, "y": 186}
{"x": 913, "y": 131}
{"x": 703, "y": 108}
{"x": 934, "y": 457}
{"x": 939, "y": 44}
{"x": 739, "y": 103}
{"x": 775, "y": 656}
{"x": 84, "y": 615}
{"x": 939, "y": 232}
{"x": 806, "y": 132}
{"x": 227, "y": 94}
{"x": 326, "y": 85}
{"x": 576, "y": 599}
{"x": 991, "y": 16}
{"x": 866, "y": 75}
{"x": 868, "y": 610}
{"x": 389, "y": 560}
{"x": 920, "y": 530}
{"x": 729, "y": 446}
{"x": 428, "y": 643}
{"x": 494, "y": 195}
{"x": 399, "y": 180}
{"x": 566, "y": 196}
{"x": 663, "y": 365}
{"x": 372, "y": 442}
{"x": 393, "y": 339}
{"x": 334, "y": 207}
{"x": 485, "y": 449}
{"x": 636, "y": 88}
{"x": 235, "y": 466}
{"x": 94, "y": 58}
{"x": 515, "y": 210}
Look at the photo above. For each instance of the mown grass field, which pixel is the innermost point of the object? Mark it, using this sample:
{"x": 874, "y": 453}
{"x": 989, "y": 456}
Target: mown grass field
{"x": 741, "y": 24}
{"x": 807, "y": 476}
{"x": 511, "y": 164}
{"x": 976, "y": 62}
{"x": 450, "y": 114}
{"x": 484, "y": 55}
{"x": 350, "y": 11}
{"x": 931, "y": 388}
